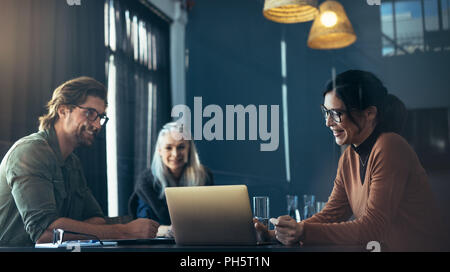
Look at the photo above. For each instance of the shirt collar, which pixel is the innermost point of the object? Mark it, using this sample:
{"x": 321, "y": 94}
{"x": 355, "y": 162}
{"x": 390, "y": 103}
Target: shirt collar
{"x": 54, "y": 144}
{"x": 365, "y": 148}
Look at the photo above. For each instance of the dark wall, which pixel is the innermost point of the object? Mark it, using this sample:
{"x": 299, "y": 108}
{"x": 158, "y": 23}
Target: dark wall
{"x": 43, "y": 44}
{"x": 235, "y": 58}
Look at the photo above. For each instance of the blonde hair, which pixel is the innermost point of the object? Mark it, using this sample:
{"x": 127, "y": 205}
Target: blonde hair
{"x": 194, "y": 173}
{"x": 72, "y": 92}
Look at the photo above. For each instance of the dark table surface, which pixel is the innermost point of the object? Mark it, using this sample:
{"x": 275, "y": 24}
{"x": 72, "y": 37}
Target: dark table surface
{"x": 179, "y": 248}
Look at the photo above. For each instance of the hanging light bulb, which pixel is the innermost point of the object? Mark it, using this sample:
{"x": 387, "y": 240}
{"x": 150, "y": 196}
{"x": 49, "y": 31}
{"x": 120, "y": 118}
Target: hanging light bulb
{"x": 290, "y": 11}
{"x": 328, "y": 19}
{"x": 332, "y": 28}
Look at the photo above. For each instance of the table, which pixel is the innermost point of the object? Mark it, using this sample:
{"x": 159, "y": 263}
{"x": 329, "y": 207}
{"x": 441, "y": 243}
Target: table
{"x": 180, "y": 249}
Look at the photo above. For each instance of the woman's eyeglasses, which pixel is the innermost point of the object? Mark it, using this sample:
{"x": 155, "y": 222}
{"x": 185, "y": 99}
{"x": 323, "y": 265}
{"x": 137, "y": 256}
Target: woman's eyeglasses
{"x": 335, "y": 114}
{"x": 92, "y": 115}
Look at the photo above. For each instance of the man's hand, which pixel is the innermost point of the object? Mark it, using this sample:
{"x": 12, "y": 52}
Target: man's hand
{"x": 141, "y": 228}
{"x": 95, "y": 220}
{"x": 288, "y": 231}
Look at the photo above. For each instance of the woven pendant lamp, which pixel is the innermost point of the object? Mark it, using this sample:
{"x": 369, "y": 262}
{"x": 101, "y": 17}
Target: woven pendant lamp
{"x": 332, "y": 28}
{"x": 290, "y": 11}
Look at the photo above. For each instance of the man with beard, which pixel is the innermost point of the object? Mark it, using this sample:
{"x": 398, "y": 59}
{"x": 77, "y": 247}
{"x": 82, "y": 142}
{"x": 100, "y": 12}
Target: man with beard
{"x": 42, "y": 185}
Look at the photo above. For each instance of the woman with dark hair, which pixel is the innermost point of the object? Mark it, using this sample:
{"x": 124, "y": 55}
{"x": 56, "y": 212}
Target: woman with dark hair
{"x": 379, "y": 180}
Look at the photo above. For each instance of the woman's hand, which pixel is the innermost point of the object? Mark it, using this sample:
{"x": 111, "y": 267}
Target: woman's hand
{"x": 165, "y": 231}
{"x": 288, "y": 231}
{"x": 262, "y": 233}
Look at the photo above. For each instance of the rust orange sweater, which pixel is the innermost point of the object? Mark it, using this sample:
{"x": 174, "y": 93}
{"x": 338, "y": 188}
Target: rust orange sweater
{"x": 394, "y": 206}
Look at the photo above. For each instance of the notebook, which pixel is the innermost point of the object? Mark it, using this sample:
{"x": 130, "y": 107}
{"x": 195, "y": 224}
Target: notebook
{"x": 211, "y": 215}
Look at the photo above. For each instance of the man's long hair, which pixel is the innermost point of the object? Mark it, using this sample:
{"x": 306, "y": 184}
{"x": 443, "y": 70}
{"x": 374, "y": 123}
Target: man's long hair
{"x": 72, "y": 92}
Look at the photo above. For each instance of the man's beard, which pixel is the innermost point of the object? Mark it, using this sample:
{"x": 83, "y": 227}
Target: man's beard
{"x": 84, "y": 136}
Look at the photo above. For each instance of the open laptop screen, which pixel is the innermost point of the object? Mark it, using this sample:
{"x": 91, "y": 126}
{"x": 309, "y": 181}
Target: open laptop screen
{"x": 211, "y": 215}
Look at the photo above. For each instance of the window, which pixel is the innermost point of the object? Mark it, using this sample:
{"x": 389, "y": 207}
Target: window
{"x": 411, "y": 26}
{"x": 446, "y": 14}
{"x": 431, "y": 15}
{"x": 138, "y": 76}
{"x": 387, "y": 28}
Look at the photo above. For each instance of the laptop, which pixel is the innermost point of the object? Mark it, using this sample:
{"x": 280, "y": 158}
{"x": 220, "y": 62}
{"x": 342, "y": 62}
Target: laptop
{"x": 211, "y": 215}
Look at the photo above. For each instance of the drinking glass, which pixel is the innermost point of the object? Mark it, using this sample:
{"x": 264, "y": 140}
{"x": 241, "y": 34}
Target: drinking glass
{"x": 261, "y": 209}
{"x": 309, "y": 206}
{"x": 292, "y": 207}
{"x": 320, "y": 205}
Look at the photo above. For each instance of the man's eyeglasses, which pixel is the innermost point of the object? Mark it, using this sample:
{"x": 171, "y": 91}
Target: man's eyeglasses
{"x": 335, "y": 114}
{"x": 92, "y": 115}
{"x": 58, "y": 236}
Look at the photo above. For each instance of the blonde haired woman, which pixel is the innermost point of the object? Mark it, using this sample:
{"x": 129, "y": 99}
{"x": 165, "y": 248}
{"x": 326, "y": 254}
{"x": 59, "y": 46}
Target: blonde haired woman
{"x": 175, "y": 163}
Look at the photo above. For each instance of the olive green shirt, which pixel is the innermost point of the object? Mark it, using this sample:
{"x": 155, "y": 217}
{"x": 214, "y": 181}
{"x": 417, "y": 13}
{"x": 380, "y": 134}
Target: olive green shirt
{"x": 37, "y": 187}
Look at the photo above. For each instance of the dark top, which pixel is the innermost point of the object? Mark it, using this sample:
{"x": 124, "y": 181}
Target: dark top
{"x": 146, "y": 200}
{"x": 37, "y": 187}
{"x": 364, "y": 150}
